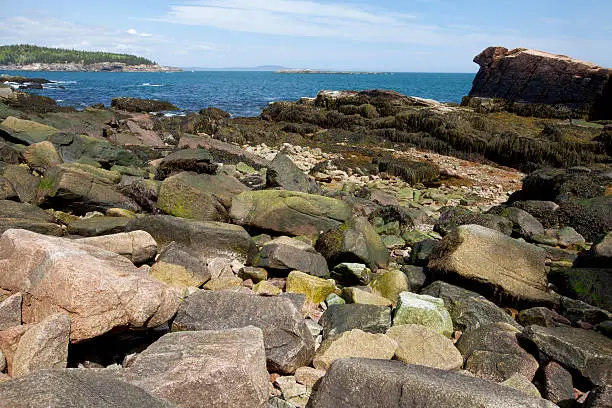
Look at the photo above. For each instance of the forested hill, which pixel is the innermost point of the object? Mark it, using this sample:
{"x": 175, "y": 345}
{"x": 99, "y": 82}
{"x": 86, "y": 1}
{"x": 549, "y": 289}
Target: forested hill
{"x": 27, "y": 54}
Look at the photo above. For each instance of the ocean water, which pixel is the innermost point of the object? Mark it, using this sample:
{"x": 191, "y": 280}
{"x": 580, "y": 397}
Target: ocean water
{"x": 239, "y": 93}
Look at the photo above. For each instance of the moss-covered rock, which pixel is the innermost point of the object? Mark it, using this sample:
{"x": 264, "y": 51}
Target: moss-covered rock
{"x": 424, "y": 310}
{"x": 288, "y": 212}
{"x": 41, "y": 156}
{"x": 315, "y": 289}
{"x": 26, "y": 131}
{"x": 389, "y": 284}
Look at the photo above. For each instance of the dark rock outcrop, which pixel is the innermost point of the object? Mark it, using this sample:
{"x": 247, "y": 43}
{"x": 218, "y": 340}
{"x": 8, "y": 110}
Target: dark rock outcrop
{"x": 142, "y": 105}
{"x": 561, "y": 85}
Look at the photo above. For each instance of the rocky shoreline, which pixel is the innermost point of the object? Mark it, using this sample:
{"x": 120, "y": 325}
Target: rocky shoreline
{"x": 97, "y": 67}
{"x": 357, "y": 249}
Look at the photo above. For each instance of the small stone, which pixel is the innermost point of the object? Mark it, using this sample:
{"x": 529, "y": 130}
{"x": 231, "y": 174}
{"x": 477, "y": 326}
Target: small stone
{"x": 424, "y": 310}
{"x": 348, "y": 274}
{"x": 354, "y": 343}
{"x": 266, "y": 288}
{"x": 253, "y": 273}
{"x": 355, "y": 295}
{"x": 393, "y": 241}
{"x": 521, "y": 383}
{"x": 308, "y": 376}
{"x": 334, "y": 299}
{"x": 315, "y": 289}
{"x": 423, "y": 346}
{"x": 222, "y": 283}
{"x": 389, "y": 284}
{"x": 289, "y": 387}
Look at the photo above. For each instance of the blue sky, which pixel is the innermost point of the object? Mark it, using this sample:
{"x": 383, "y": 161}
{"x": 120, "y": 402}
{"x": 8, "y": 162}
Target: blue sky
{"x": 409, "y": 35}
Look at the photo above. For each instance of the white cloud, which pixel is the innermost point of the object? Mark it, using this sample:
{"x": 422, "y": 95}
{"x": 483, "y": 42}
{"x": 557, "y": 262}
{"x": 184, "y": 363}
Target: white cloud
{"x": 132, "y": 31}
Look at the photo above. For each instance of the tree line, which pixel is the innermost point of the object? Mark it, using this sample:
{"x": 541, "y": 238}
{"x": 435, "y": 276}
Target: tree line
{"x": 23, "y": 54}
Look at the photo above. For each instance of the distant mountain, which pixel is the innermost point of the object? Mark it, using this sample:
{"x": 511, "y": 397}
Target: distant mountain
{"x": 257, "y": 68}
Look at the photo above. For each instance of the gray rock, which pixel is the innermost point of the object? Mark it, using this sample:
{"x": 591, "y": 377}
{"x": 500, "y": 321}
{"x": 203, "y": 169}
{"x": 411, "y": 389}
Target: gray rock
{"x": 174, "y": 260}
{"x": 23, "y": 182}
{"x": 10, "y": 312}
{"x": 423, "y": 346}
{"x": 600, "y": 254}
{"x": 137, "y": 246}
{"x": 590, "y": 285}
{"x": 349, "y": 274}
{"x": 286, "y": 253}
{"x": 194, "y": 160}
{"x": 425, "y": 310}
{"x": 354, "y": 241}
{"x": 203, "y": 239}
{"x": 289, "y": 212}
{"x": 44, "y": 345}
{"x": 421, "y": 251}
{"x": 27, "y": 216}
{"x": 557, "y": 384}
{"x": 225, "y": 368}
{"x": 577, "y": 312}
{"x": 357, "y": 382}
{"x": 283, "y": 173}
{"x": 98, "y": 225}
{"x": 524, "y": 224}
{"x": 587, "y": 352}
{"x": 468, "y": 309}
{"x": 452, "y": 217}
{"x": 415, "y": 275}
{"x": 481, "y": 255}
{"x": 542, "y": 316}
{"x": 521, "y": 383}
{"x": 599, "y": 397}
{"x": 543, "y": 211}
{"x": 288, "y": 342}
{"x": 74, "y": 389}
{"x": 341, "y": 318}
{"x": 492, "y": 352}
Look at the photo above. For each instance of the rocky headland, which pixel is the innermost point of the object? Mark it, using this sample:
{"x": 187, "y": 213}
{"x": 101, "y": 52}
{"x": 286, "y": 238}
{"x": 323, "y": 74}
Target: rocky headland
{"x": 351, "y": 250}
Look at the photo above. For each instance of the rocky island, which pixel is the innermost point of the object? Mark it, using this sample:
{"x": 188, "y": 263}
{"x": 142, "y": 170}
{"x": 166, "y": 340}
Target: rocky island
{"x": 34, "y": 58}
{"x": 357, "y": 249}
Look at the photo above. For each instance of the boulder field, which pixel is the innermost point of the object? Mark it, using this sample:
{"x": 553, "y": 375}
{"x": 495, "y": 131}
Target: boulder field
{"x": 204, "y": 260}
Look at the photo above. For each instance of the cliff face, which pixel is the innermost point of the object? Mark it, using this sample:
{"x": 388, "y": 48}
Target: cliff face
{"x": 536, "y": 77}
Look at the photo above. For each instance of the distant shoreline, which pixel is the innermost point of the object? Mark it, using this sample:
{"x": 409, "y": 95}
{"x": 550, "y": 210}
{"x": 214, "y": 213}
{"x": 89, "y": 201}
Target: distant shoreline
{"x": 316, "y": 71}
{"x": 96, "y": 67}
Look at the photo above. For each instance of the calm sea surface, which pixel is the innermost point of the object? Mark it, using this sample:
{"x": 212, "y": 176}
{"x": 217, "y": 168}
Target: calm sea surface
{"x": 240, "y": 93}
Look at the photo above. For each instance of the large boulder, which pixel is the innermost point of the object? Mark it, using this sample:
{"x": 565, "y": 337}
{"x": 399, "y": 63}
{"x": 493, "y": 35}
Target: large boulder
{"x": 73, "y": 147}
{"x": 141, "y": 105}
{"x": 358, "y": 382}
{"x": 195, "y": 368}
{"x": 354, "y": 241}
{"x": 26, "y": 132}
{"x": 424, "y": 310}
{"x": 536, "y": 77}
{"x": 75, "y": 388}
{"x": 493, "y": 352}
{"x": 468, "y": 309}
{"x": 43, "y": 345}
{"x": 423, "y": 346}
{"x": 198, "y": 196}
{"x": 81, "y": 191}
{"x": 41, "y": 156}
{"x": 286, "y": 253}
{"x": 26, "y": 216}
{"x": 482, "y": 255}
{"x": 204, "y": 240}
{"x": 289, "y": 212}
{"x": 137, "y": 246}
{"x": 178, "y": 267}
{"x": 452, "y": 217}
{"x": 10, "y": 311}
{"x": 354, "y": 343}
{"x": 287, "y": 340}
{"x": 587, "y": 352}
{"x": 97, "y": 226}
{"x": 23, "y": 182}
{"x": 99, "y": 290}
{"x": 283, "y": 173}
{"x": 600, "y": 254}
{"x": 193, "y": 160}
{"x": 340, "y": 318}
{"x": 590, "y": 285}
